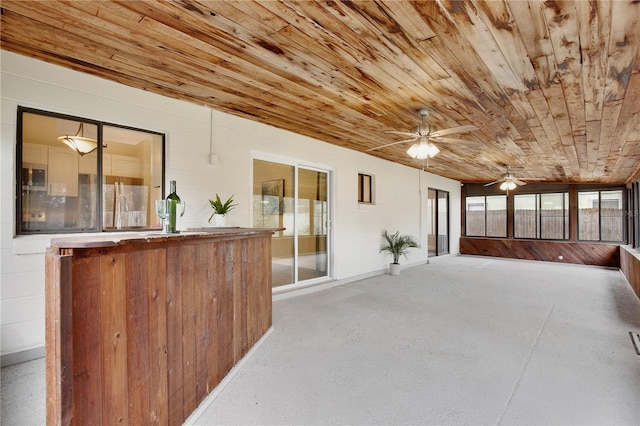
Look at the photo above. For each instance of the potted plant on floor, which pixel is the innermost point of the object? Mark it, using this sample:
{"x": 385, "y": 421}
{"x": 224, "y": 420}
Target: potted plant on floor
{"x": 220, "y": 210}
{"x": 397, "y": 245}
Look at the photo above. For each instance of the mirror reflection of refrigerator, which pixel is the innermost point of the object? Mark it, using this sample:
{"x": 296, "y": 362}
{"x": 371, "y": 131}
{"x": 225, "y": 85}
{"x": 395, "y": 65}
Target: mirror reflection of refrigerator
{"x": 125, "y": 202}
{"x": 34, "y": 192}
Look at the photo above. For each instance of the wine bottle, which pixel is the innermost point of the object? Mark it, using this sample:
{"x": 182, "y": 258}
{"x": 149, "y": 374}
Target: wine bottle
{"x": 172, "y": 203}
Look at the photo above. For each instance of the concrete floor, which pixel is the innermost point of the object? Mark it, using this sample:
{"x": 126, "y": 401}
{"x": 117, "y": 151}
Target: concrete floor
{"x": 462, "y": 340}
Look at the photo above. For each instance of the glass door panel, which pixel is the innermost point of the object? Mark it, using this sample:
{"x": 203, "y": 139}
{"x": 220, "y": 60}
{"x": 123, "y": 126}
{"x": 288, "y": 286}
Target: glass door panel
{"x": 437, "y": 222}
{"x": 312, "y": 224}
{"x": 432, "y": 218}
{"x": 443, "y": 222}
{"x": 294, "y": 198}
{"x": 273, "y": 192}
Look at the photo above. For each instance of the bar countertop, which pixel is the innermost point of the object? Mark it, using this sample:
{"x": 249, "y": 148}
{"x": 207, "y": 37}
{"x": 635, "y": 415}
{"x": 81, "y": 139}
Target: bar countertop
{"x": 121, "y": 239}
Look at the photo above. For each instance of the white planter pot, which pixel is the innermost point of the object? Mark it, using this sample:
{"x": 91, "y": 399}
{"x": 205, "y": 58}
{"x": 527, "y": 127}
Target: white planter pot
{"x": 394, "y": 269}
{"x": 220, "y": 220}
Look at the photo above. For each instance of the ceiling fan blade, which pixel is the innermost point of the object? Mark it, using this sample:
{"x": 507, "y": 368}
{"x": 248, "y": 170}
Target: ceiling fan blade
{"x": 464, "y": 142}
{"x": 493, "y": 183}
{"x": 408, "y": 134}
{"x": 458, "y": 129}
{"x": 518, "y": 182}
{"x": 389, "y": 144}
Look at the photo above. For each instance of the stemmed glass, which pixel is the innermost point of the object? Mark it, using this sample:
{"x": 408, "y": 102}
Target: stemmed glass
{"x": 180, "y": 208}
{"x": 179, "y": 211}
{"x": 162, "y": 211}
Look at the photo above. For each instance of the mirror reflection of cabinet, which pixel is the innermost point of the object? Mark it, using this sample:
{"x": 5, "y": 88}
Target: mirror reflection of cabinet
{"x": 125, "y": 166}
{"x": 34, "y": 153}
{"x": 112, "y": 165}
{"x": 63, "y": 172}
{"x": 88, "y": 164}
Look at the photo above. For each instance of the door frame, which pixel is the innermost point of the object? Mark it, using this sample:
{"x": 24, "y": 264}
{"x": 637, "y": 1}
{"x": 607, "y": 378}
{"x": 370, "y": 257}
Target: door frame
{"x": 433, "y": 218}
{"x": 297, "y": 164}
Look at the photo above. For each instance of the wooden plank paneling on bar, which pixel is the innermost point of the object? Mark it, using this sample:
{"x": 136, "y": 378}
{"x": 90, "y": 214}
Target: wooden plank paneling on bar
{"x": 137, "y": 336}
{"x": 212, "y": 319}
{"x": 113, "y": 336}
{"x": 87, "y": 368}
{"x": 225, "y": 316}
{"x": 204, "y": 305}
{"x": 243, "y": 300}
{"x": 175, "y": 361}
{"x": 141, "y": 330}
{"x": 59, "y": 338}
{"x": 189, "y": 342}
{"x": 630, "y": 267}
{"x": 157, "y": 329}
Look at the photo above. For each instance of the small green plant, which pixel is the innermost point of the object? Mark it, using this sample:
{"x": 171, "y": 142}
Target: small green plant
{"x": 221, "y": 208}
{"x": 397, "y": 245}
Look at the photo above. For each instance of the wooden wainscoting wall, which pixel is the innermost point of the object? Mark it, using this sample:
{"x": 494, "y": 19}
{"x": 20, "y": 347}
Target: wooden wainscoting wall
{"x": 140, "y": 330}
{"x": 630, "y": 267}
{"x": 601, "y": 254}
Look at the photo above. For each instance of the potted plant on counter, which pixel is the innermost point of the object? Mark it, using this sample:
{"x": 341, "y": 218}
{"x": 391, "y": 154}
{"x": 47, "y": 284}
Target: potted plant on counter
{"x": 220, "y": 210}
{"x": 397, "y": 245}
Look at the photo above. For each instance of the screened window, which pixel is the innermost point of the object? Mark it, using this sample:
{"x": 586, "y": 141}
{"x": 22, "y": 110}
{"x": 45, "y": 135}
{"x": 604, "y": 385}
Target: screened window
{"x": 486, "y": 216}
{"x": 541, "y": 216}
{"x": 600, "y": 216}
{"x": 79, "y": 175}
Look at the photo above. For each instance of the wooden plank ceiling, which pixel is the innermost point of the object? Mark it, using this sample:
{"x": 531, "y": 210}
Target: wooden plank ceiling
{"x": 553, "y": 86}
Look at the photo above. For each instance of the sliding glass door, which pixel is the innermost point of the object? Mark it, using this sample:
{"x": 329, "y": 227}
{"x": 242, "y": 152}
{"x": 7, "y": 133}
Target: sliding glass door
{"x": 432, "y": 219}
{"x": 312, "y": 223}
{"x": 295, "y": 198}
{"x": 438, "y": 222}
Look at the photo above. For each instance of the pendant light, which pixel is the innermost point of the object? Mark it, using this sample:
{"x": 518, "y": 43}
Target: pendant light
{"x": 79, "y": 143}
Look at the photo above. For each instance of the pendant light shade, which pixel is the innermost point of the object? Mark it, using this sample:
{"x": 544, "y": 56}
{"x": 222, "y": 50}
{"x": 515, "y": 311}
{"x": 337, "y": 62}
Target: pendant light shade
{"x": 79, "y": 143}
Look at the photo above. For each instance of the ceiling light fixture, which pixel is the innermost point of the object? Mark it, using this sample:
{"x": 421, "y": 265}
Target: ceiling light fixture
{"x": 79, "y": 143}
{"x": 423, "y": 150}
{"x": 508, "y": 185}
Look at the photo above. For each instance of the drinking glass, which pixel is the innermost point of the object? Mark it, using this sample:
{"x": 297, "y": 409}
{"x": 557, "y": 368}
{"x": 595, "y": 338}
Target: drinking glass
{"x": 162, "y": 211}
{"x": 180, "y": 208}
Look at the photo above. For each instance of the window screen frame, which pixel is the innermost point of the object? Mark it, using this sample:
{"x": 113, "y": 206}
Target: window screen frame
{"x": 566, "y": 223}
{"x": 506, "y": 216}
{"x": 623, "y": 210}
{"x": 18, "y": 184}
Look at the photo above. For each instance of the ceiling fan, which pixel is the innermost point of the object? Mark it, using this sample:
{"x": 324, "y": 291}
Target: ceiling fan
{"x": 426, "y": 134}
{"x": 510, "y": 181}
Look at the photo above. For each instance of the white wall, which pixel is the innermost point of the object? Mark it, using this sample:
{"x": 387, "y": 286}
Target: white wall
{"x": 188, "y": 130}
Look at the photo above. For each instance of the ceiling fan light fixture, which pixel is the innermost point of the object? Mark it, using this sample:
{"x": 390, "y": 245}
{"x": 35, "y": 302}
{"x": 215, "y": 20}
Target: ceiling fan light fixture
{"x": 422, "y": 150}
{"x": 433, "y": 150}
{"x": 413, "y": 151}
{"x": 508, "y": 185}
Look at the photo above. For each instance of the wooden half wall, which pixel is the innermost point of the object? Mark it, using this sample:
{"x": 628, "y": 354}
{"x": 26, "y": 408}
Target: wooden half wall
{"x": 630, "y": 267}
{"x": 141, "y": 328}
{"x": 601, "y": 254}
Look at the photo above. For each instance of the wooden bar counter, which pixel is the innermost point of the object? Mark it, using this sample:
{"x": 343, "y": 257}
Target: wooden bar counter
{"x": 141, "y": 328}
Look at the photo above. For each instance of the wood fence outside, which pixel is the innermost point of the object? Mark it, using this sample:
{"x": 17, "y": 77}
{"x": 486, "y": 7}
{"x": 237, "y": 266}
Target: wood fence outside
{"x": 554, "y": 224}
